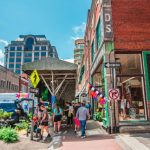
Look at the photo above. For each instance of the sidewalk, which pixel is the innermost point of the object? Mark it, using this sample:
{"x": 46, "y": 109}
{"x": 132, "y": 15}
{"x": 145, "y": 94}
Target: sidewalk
{"x": 136, "y": 141}
{"x": 96, "y": 139}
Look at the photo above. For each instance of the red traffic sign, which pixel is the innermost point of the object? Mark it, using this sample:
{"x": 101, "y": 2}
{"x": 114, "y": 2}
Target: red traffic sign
{"x": 114, "y": 94}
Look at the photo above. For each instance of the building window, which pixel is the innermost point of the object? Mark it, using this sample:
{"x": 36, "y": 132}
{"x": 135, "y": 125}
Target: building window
{"x": 11, "y": 59}
{"x": 18, "y": 65}
{"x": 18, "y": 54}
{"x": 130, "y": 64}
{"x": 36, "y": 54}
{"x": 130, "y": 82}
{"x": 29, "y": 43}
{"x": 12, "y": 48}
{"x": 18, "y": 59}
{"x": 98, "y": 35}
{"x": 17, "y": 71}
{"x": 51, "y": 54}
{"x": 43, "y": 53}
{"x": 2, "y": 84}
{"x": 19, "y": 48}
{"x": 11, "y": 65}
{"x": 29, "y": 54}
{"x": 43, "y": 48}
{"x": 36, "y": 58}
{"x": 37, "y": 48}
{"x": 12, "y": 54}
{"x": 92, "y": 51}
{"x": 26, "y": 60}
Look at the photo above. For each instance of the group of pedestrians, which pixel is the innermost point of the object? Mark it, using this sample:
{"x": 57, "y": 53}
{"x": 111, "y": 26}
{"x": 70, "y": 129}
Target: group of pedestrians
{"x": 76, "y": 115}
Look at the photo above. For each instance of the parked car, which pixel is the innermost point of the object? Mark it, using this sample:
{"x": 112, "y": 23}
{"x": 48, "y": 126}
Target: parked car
{"x": 11, "y": 106}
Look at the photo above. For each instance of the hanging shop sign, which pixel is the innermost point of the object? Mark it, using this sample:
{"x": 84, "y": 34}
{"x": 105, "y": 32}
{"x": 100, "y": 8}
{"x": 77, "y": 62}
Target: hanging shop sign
{"x": 114, "y": 94}
{"x": 107, "y": 2}
{"x": 35, "y": 79}
{"x": 107, "y": 19}
{"x": 112, "y": 65}
{"x": 34, "y": 90}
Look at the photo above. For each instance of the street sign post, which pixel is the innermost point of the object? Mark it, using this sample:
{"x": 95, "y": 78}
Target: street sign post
{"x": 33, "y": 90}
{"x": 112, "y": 65}
{"x": 35, "y": 79}
{"x": 114, "y": 94}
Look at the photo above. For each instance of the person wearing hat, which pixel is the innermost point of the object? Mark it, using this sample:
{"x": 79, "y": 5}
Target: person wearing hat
{"x": 44, "y": 121}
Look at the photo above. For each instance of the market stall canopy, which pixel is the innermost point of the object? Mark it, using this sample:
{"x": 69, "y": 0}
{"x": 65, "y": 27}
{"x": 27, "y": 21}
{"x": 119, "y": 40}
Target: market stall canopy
{"x": 59, "y": 76}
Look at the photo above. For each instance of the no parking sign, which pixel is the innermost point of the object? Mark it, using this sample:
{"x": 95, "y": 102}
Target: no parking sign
{"x": 114, "y": 94}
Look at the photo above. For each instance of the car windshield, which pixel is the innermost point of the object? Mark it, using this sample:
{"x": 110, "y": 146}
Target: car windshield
{"x": 7, "y": 106}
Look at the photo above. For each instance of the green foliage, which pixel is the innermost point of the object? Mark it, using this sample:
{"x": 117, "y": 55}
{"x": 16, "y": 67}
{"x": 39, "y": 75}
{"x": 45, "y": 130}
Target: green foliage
{"x": 4, "y": 114}
{"x": 30, "y": 116}
{"x": 8, "y": 135}
{"x": 22, "y": 125}
{"x": 99, "y": 116}
{"x": 45, "y": 95}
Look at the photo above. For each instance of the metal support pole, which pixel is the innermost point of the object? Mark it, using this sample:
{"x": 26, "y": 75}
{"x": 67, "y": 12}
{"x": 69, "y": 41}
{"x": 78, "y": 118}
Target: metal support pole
{"x": 113, "y": 102}
{"x": 32, "y": 125}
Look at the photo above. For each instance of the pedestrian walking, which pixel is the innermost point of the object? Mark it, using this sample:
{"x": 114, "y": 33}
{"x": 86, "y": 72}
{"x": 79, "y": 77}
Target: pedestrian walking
{"x": 82, "y": 115}
{"x": 76, "y": 120}
{"x": 70, "y": 114}
{"x": 57, "y": 118}
{"x": 66, "y": 110}
{"x": 44, "y": 121}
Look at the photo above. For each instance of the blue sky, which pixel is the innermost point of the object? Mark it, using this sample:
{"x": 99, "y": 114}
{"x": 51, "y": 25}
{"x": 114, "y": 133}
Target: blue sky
{"x": 60, "y": 20}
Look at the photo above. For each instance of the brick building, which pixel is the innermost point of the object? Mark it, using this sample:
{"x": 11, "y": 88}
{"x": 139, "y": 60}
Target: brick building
{"x": 119, "y": 31}
{"x": 9, "y": 81}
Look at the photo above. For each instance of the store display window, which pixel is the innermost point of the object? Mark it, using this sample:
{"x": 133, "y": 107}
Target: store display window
{"x": 131, "y": 105}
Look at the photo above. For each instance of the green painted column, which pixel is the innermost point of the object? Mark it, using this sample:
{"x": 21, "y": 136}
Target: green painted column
{"x": 106, "y": 119}
{"x": 147, "y": 82}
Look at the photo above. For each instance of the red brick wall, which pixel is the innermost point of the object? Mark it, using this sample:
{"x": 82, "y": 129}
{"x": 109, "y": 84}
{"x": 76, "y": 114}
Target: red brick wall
{"x": 131, "y": 24}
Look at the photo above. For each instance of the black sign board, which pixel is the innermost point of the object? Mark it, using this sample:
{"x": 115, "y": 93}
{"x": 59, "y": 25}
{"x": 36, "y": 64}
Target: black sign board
{"x": 107, "y": 2}
{"x": 107, "y": 18}
{"x": 112, "y": 65}
{"x": 33, "y": 90}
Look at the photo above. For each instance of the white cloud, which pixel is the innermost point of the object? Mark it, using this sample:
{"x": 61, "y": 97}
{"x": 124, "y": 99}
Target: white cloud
{"x": 76, "y": 37}
{"x": 78, "y": 31}
{"x": 71, "y": 60}
{"x": 1, "y": 58}
{"x": 3, "y": 42}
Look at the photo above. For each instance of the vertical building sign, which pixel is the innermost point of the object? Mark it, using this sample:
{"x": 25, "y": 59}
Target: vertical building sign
{"x": 107, "y": 19}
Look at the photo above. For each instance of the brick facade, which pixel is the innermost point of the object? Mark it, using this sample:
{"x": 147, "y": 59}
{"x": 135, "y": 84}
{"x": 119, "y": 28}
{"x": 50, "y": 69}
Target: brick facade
{"x": 131, "y": 24}
{"x": 9, "y": 81}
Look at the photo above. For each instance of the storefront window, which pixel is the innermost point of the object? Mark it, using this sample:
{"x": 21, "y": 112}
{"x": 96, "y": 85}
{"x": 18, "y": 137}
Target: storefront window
{"x": 130, "y": 64}
{"x": 131, "y": 105}
{"x": 130, "y": 82}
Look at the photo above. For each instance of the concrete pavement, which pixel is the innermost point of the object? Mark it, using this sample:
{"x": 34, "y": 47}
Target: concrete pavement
{"x": 96, "y": 139}
{"x": 139, "y": 141}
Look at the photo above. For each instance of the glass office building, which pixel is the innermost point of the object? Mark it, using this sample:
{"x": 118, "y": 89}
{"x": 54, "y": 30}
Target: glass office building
{"x": 27, "y": 48}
